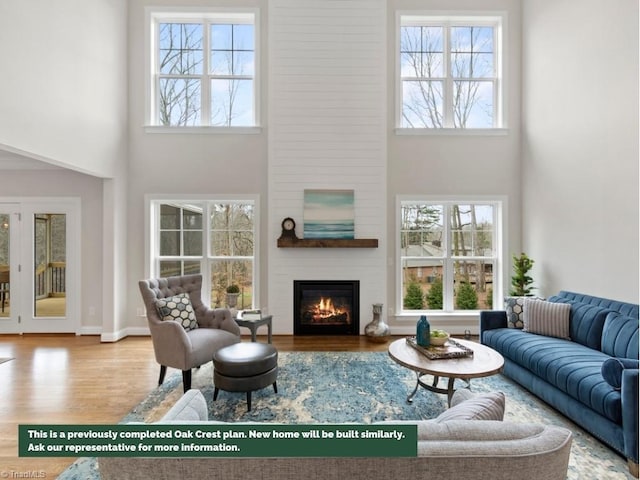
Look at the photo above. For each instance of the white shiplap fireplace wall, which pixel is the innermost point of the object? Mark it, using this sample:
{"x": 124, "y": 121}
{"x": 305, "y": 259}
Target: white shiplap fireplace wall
{"x": 327, "y": 130}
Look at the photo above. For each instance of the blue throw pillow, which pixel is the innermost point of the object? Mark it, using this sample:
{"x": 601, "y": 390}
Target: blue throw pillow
{"x": 612, "y": 369}
{"x": 620, "y": 336}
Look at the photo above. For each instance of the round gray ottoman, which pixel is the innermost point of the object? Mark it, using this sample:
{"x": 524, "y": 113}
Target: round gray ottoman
{"x": 245, "y": 367}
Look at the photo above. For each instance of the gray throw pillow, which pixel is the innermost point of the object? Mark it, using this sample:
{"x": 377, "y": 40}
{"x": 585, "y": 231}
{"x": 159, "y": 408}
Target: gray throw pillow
{"x": 547, "y": 318}
{"x": 486, "y": 406}
{"x": 514, "y": 306}
{"x": 179, "y": 309}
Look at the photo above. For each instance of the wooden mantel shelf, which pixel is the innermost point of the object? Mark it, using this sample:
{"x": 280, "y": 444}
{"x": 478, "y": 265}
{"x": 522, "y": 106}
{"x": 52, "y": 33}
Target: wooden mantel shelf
{"x": 327, "y": 243}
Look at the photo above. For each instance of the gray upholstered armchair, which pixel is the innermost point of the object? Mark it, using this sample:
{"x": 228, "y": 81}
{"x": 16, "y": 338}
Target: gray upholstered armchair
{"x": 175, "y": 346}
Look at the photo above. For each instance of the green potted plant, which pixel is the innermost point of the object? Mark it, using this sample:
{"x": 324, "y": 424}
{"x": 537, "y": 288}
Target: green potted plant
{"x": 521, "y": 281}
{"x": 233, "y": 291}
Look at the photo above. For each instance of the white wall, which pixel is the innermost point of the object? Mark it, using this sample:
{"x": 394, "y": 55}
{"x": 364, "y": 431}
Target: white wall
{"x": 457, "y": 165}
{"x": 580, "y": 144}
{"x": 315, "y": 52}
{"x": 115, "y": 256}
{"x": 69, "y": 102}
{"x": 184, "y": 163}
{"x": 63, "y": 70}
{"x": 564, "y": 144}
{"x": 61, "y": 183}
{"x": 64, "y": 101}
{"x": 327, "y": 131}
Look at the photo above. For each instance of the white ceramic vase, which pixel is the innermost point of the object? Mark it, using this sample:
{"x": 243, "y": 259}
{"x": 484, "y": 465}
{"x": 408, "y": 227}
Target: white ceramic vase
{"x": 377, "y": 330}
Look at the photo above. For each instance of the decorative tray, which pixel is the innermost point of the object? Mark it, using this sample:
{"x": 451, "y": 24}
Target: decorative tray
{"x": 451, "y": 349}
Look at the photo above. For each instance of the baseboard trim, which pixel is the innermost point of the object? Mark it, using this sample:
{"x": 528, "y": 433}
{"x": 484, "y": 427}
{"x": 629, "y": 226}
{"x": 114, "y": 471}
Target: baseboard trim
{"x": 91, "y": 330}
{"x": 123, "y": 333}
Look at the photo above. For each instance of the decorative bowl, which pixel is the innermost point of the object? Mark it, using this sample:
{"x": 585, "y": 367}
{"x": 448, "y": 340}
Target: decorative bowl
{"x": 439, "y": 341}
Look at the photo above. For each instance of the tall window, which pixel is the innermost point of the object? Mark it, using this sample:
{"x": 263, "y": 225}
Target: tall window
{"x": 449, "y": 254}
{"x": 214, "y": 238}
{"x": 450, "y": 72}
{"x": 180, "y": 240}
{"x": 204, "y": 70}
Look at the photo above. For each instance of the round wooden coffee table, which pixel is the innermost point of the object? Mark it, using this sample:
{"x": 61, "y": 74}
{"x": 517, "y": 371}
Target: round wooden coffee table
{"x": 484, "y": 363}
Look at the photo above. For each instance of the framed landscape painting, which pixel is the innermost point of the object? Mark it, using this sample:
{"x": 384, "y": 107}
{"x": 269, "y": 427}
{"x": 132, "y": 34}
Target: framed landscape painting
{"x": 328, "y": 214}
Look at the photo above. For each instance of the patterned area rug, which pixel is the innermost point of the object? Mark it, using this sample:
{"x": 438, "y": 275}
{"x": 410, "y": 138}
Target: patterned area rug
{"x": 336, "y": 387}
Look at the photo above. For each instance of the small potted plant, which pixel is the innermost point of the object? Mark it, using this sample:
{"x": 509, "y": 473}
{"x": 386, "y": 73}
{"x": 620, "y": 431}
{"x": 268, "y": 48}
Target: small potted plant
{"x": 233, "y": 291}
{"x": 521, "y": 281}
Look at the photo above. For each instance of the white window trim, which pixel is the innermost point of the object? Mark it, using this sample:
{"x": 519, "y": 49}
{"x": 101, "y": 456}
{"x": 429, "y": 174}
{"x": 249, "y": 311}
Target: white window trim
{"x": 491, "y": 132}
{"x": 202, "y": 130}
{"x": 452, "y": 18}
{"x": 198, "y": 15}
{"x": 151, "y": 227}
{"x": 501, "y": 262}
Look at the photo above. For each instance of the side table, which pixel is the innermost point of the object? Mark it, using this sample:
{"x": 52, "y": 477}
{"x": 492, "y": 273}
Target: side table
{"x": 254, "y": 324}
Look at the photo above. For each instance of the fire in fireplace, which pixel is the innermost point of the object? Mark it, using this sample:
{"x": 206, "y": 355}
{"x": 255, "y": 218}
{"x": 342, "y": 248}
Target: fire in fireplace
{"x": 326, "y": 307}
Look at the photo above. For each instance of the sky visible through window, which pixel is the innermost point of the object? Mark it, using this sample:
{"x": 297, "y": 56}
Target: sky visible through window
{"x": 227, "y": 52}
{"x": 448, "y": 76}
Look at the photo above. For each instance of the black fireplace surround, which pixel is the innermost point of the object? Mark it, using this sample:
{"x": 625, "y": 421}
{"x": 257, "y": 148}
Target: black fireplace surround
{"x": 326, "y": 307}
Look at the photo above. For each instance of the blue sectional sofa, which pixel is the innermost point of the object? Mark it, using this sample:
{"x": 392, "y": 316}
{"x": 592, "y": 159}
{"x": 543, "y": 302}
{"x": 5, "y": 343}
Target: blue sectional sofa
{"x": 568, "y": 374}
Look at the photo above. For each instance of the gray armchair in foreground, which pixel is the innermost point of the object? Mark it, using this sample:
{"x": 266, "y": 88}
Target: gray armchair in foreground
{"x": 176, "y": 346}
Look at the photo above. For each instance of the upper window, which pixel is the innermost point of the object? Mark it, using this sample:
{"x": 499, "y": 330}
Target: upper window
{"x": 214, "y": 238}
{"x": 449, "y": 254}
{"x": 450, "y": 71}
{"x": 204, "y": 70}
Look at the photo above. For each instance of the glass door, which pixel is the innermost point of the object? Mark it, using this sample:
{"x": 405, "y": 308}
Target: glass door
{"x": 50, "y": 265}
{"x": 40, "y": 266}
{"x": 9, "y": 268}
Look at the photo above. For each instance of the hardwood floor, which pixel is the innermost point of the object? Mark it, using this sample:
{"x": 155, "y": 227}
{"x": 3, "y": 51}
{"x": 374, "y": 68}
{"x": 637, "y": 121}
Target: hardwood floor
{"x": 68, "y": 379}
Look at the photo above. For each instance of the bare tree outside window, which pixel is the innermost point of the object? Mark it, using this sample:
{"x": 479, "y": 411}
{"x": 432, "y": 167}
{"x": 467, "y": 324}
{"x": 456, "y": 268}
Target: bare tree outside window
{"x": 472, "y": 236}
{"x": 205, "y": 79}
{"x": 448, "y": 76}
{"x": 180, "y": 66}
{"x": 232, "y": 66}
{"x": 472, "y": 55}
{"x": 215, "y": 238}
{"x": 422, "y": 70}
{"x": 448, "y": 250}
{"x": 232, "y": 249}
{"x": 421, "y": 224}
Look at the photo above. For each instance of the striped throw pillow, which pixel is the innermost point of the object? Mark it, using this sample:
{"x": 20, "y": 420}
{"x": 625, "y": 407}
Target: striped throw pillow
{"x": 514, "y": 306}
{"x": 547, "y": 318}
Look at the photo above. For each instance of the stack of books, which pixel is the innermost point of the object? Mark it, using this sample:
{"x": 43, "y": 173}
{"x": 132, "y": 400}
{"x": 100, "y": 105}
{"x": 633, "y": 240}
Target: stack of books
{"x": 250, "y": 314}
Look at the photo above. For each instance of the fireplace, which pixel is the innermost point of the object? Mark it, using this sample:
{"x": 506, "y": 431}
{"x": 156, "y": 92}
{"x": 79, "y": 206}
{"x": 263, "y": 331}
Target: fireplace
{"x": 326, "y": 307}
